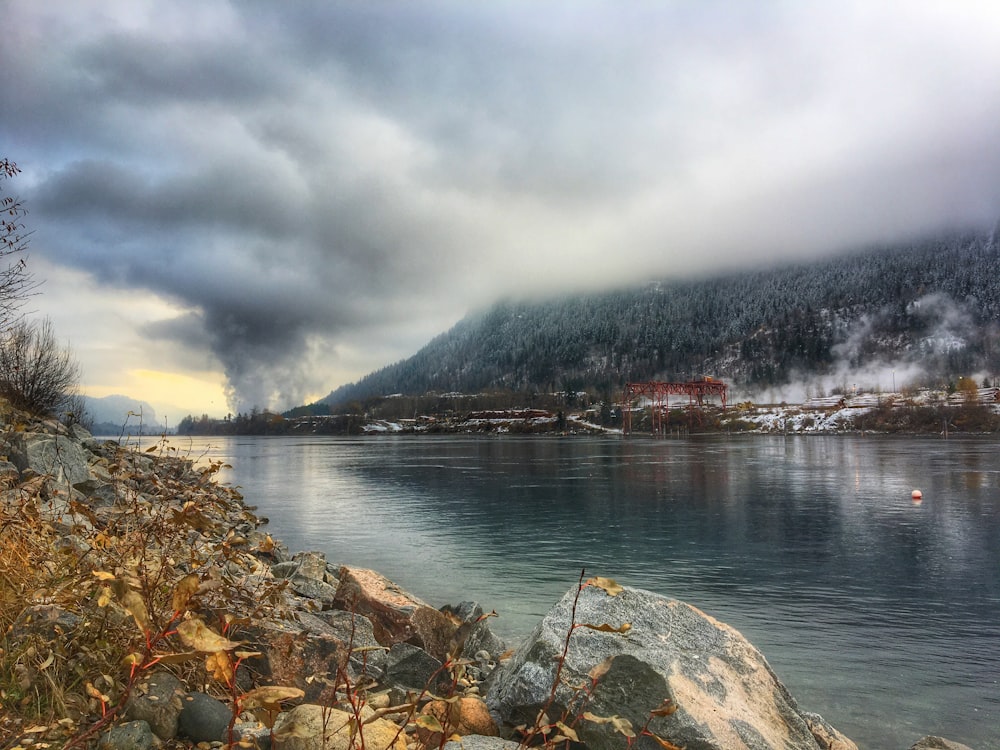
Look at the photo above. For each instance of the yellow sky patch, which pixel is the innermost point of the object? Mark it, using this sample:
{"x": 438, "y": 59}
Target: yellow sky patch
{"x": 169, "y": 393}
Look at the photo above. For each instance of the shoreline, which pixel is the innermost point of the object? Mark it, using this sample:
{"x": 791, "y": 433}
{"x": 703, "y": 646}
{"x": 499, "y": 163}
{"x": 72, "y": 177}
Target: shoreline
{"x": 889, "y": 415}
{"x": 212, "y": 522}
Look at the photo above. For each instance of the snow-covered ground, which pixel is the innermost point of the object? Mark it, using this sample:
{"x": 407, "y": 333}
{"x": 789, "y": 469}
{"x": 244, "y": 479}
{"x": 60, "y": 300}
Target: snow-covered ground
{"x": 799, "y": 419}
{"x": 817, "y": 415}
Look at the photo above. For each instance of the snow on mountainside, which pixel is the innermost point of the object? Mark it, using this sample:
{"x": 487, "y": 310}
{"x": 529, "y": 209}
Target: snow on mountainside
{"x": 904, "y": 315}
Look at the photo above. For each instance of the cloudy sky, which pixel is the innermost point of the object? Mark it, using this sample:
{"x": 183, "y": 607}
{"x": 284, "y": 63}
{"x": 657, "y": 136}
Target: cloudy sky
{"x": 252, "y": 203}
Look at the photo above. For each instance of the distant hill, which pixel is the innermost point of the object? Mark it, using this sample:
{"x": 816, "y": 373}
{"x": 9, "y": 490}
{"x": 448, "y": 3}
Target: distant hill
{"x": 918, "y": 312}
{"x": 109, "y": 415}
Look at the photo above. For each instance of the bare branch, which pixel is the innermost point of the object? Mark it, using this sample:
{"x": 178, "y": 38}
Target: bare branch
{"x": 16, "y": 282}
{"x": 36, "y": 373}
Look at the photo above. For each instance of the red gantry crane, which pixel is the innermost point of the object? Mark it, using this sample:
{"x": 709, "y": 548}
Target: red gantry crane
{"x": 659, "y": 394}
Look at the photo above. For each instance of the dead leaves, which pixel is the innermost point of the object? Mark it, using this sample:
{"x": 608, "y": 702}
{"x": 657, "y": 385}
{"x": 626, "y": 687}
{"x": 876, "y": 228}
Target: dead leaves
{"x": 621, "y": 725}
{"x": 184, "y": 590}
{"x": 598, "y": 671}
{"x": 565, "y": 733}
{"x": 195, "y": 634}
{"x": 220, "y": 667}
{"x": 270, "y": 696}
{"x": 127, "y": 597}
{"x": 266, "y": 545}
{"x": 428, "y": 722}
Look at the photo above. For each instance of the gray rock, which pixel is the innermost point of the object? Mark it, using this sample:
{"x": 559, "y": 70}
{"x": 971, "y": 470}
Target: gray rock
{"x": 297, "y": 652}
{"x": 252, "y": 734}
{"x": 410, "y": 667}
{"x": 60, "y": 456}
{"x": 320, "y": 592}
{"x": 310, "y": 565}
{"x": 725, "y": 694}
{"x": 481, "y": 742}
{"x": 367, "y": 656}
{"x": 9, "y": 475}
{"x": 203, "y": 718}
{"x": 87, "y": 486}
{"x": 132, "y": 735}
{"x": 92, "y": 444}
{"x": 930, "y": 742}
{"x": 157, "y": 701}
{"x": 474, "y": 640}
{"x": 98, "y": 470}
{"x": 101, "y": 495}
{"x": 284, "y": 569}
{"x": 80, "y": 433}
{"x": 50, "y": 621}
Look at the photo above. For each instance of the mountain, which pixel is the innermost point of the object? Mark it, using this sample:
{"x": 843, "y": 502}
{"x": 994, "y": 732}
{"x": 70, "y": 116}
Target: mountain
{"x": 110, "y": 415}
{"x": 896, "y": 315}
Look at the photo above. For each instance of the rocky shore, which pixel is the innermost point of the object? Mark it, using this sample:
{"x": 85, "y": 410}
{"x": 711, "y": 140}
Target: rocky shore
{"x": 145, "y": 605}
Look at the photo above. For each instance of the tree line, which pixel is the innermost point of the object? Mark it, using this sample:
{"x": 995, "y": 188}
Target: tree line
{"x": 934, "y": 302}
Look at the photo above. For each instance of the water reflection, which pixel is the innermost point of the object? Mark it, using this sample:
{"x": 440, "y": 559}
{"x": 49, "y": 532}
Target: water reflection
{"x": 881, "y": 614}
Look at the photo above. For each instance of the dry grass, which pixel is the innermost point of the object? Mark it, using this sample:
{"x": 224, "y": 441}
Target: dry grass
{"x": 90, "y": 597}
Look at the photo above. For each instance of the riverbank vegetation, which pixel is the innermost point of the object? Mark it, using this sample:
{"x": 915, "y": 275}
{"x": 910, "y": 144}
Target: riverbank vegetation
{"x": 965, "y": 409}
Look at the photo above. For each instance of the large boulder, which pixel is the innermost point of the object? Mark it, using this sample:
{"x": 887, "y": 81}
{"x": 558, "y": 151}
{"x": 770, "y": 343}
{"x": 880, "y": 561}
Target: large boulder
{"x": 56, "y": 455}
{"x": 410, "y": 667}
{"x": 647, "y": 658}
{"x": 397, "y": 616}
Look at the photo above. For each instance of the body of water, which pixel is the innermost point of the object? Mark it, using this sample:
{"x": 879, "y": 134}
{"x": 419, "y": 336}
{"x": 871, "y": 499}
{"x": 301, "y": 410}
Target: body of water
{"x": 880, "y": 613}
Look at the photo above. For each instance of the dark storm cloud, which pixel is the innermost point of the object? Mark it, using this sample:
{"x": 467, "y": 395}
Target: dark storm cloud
{"x": 306, "y": 179}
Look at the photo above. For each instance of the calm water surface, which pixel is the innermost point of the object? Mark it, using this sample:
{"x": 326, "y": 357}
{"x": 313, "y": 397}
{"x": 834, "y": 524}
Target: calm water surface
{"x": 881, "y": 614}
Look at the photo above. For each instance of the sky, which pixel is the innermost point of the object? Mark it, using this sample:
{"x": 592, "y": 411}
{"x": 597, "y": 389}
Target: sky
{"x": 240, "y": 204}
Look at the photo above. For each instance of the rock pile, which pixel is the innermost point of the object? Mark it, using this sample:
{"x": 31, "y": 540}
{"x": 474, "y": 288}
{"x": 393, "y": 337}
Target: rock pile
{"x": 229, "y": 638}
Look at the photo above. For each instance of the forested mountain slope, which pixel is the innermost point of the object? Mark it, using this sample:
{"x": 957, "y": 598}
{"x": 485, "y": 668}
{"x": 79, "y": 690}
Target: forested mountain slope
{"x": 929, "y": 310}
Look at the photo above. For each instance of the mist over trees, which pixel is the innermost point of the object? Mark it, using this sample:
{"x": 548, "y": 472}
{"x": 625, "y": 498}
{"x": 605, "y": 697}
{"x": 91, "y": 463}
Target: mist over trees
{"x": 930, "y": 309}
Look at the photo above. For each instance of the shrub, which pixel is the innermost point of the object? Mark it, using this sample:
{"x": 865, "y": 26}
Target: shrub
{"x": 37, "y": 375}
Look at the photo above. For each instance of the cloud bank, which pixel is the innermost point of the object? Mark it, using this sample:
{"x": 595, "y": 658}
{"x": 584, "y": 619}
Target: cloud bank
{"x": 320, "y": 188}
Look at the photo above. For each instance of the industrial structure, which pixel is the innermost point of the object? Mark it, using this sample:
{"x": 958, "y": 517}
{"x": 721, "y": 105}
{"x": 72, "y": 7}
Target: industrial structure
{"x": 659, "y": 394}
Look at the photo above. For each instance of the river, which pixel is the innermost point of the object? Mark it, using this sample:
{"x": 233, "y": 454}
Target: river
{"x": 878, "y": 612}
